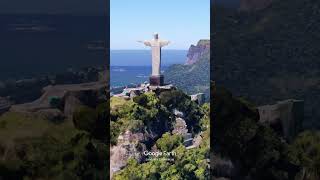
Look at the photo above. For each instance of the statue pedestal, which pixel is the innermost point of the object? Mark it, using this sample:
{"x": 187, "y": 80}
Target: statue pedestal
{"x": 156, "y": 80}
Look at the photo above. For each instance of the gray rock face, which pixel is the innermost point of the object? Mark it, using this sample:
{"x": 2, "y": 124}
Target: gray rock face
{"x": 5, "y": 105}
{"x": 129, "y": 93}
{"x": 128, "y": 146}
{"x": 134, "y": 93}
{"x": 285, "y": 116}
{"x": 71, "y": 104}
{"x": 222, "y": 168}
{"x": 178, "y": 113}
{"x": 198, "y": 98}
{"x": 195, "y": 52}
{"x": 180, "y": 127}
{"x": 69, "y": 97}
{"x": 51, "y": 114}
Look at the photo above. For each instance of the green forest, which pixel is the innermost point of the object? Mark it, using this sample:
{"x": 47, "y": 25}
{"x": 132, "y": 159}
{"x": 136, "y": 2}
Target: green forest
{"x": 260, "y": 153}
{"x": 151, "y": 113}
{"x": 33, "y": 146}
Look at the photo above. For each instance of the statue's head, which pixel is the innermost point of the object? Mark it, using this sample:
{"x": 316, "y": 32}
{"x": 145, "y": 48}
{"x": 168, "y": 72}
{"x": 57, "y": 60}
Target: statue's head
{"x": 156, "y": 36}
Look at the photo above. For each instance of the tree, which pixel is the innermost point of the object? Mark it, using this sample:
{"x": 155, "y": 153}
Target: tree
{"x": 258, "y": 150}
{"x": 169, "y": 142}
{"x": 177, "y": 99}
{"x": 85, "y": 119}
{"x": 55, "y": 102}
{"x": 142, "y": 100}
{"x": 305, "y": 152}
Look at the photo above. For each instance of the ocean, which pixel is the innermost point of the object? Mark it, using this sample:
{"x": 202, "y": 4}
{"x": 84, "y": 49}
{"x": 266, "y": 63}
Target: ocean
{"x": 121, "y": 76}
{"x": 133, "y": 67}
{"x": 33, "y": 45}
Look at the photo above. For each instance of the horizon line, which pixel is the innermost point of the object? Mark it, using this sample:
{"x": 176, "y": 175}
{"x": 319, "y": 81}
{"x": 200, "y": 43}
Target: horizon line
{"x": 55, "y": 14}
{"x": 147, "y": 49}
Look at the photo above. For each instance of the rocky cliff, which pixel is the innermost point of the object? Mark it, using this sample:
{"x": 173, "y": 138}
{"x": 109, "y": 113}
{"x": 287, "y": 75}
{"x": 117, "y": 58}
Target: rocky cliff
{"x": 66, "y": 98}
{"x": 194, "y": 76}
{"x": 5, "y": 104}
{"x": 244, "y": 147}
{"x": 285, "y": 117}
{"x": 271, "y": 55}
{"x": 16, "y": 88}
{"x": 195, "y": 52}
{"x": 155, "y": 122}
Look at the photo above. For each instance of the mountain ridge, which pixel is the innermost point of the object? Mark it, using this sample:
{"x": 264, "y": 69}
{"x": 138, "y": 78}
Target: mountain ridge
{"x": 194, "y": 76}
{"x": 284, "y": 62}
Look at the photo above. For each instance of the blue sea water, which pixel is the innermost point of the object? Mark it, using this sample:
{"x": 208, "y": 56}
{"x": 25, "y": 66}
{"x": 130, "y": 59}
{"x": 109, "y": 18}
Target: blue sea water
{"x": 121, "y": 76}
{"x": 33, "y": 45}
{"x": 134, "y": 66}
{"x": 143, "y": 57}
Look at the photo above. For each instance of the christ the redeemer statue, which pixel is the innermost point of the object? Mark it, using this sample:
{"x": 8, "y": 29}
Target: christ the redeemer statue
{"x": 156, "y": 79}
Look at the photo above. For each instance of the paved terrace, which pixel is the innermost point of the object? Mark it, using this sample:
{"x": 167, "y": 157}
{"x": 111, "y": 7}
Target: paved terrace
{"x": 59, "y": 91}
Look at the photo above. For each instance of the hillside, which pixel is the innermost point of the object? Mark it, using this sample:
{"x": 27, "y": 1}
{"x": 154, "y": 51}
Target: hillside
{"x": 271, "y": 55}
{"x": 38, "y": 146}
{"x": 242, "y": 148}
{"x": 159, "y": 123}
{"x": 194, "y": 76}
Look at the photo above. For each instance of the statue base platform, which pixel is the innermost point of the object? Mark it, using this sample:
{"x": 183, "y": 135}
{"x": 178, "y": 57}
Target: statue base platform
{"x": 156, "y": 80}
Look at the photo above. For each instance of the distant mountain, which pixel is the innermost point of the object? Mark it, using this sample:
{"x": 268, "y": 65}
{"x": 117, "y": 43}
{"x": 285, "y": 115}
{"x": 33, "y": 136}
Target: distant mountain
{"x": 196, "y": 52}
{"x": 194, "y": 76}
{"x": 272, "y": 54}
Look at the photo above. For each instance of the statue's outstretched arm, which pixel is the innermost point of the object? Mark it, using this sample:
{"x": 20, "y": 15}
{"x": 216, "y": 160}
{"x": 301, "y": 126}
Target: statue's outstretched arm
{"x": 164, "y": 43}
{"x": 147, "y": 43}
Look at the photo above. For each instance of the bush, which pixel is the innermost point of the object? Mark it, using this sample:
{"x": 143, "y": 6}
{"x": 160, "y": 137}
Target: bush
{"x": 85, "y": 119}
{"x": 173, "y": 99}
{"x": 142, "y": 100}
{"x": 169, "y": 142}
{"x": 114, "y": 132}
{"x": 305, "y": 152}
{"x": 177, "y": 99}
{"x": 55, "y": 102}
{"x": 92, "y": 120}
{"x": 236, "y": 134}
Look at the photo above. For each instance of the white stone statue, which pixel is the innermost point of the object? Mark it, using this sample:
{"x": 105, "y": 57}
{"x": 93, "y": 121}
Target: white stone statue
{"x": 156, "y": 44}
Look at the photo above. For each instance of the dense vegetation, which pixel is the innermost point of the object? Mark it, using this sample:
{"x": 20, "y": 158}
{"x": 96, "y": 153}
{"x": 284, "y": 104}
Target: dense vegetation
{"x": 193, "y": 78}
{"x": 32, "y": 147}
{"x": 16, "y": 89}
{"x": 270, "y": 55}
{"x": 187, "y": 164}
{"x": 256, "y": 150}
{"x": 152, "y": 113}
{"x": 150, "y": 108}
{"x": 144, "y": 113}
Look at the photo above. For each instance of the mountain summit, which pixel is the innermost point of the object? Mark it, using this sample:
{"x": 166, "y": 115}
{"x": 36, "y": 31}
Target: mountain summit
{"x": 196, "y": 52}
{"x": 271, "y": 55}
{"x": 194, "y": 76}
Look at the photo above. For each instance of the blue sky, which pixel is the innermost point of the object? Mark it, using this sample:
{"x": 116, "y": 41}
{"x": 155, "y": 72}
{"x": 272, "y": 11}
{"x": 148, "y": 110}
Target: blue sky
{"x": 183, "y": 22}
